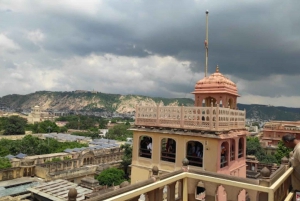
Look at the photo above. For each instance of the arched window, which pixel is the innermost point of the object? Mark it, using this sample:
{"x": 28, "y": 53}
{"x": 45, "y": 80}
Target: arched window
{"x": 221, "y": 103}
{"x": 224, "y": 154}
{"x": 145, "y": 149}
{"x": 232, "y": 150}
{"x": 168, "y": 150}
{"x": 200, "y": 191}
{"x": 195, "y": 153}
{"x": 241, "y": 148}
{"x": 230, "y": 103}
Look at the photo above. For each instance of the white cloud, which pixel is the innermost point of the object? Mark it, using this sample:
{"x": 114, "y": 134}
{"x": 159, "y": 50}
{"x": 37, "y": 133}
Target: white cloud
{"x": 7, "y": 45}
{"x": 35, "y": 36}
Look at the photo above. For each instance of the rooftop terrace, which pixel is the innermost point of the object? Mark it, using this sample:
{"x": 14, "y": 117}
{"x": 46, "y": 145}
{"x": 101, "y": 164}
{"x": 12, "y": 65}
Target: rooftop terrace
{"x": 190, "y": 118}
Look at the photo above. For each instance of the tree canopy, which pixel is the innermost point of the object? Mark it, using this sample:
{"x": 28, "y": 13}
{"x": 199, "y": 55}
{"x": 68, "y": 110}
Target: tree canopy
{"x": 83, "y": 122}
{"x": 282, "y": 151}
{"x": 111, "y": 177}
{"x": 127, "y": 157}
{"x": 13, "y": 125}
{"x": 43, "y": 127}
{"x": 119, "y": 132}
{"x": 4, "y": 163}
{"x": 254, "y": 148}
{"x": 31, "y": 145}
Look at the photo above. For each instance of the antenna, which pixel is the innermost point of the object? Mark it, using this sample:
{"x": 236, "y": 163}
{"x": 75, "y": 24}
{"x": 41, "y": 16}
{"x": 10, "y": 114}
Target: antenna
{"x": 206, "y": 44}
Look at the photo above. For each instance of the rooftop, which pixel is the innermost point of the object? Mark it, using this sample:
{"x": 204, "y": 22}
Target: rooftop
{"x": 58, "y": 190}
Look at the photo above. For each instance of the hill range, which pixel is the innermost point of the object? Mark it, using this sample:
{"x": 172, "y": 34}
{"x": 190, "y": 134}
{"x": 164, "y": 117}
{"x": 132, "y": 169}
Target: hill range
{"x": 97, "y": 101}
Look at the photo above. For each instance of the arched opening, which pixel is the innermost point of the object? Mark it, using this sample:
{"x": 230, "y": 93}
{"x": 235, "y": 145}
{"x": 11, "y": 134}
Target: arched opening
{"x": 29, "y": 172}
{"x": 230, "y": 103}
{"x": 241, "y": 148}
{"x": 243, "y": 195}
{"x": 168, "y": 150}
{"x": 200, "y": 191}
{"x": 25, "y": 172}
{"x": 210, "y": 101}
{"x": 221, "y": 193}
{"x": 203, "y": 103}
{"x": 224, "y": 154}
{"x": 195, "y": 153}
{"x": 232, "y": 150}
{"x": 145, "y": 149}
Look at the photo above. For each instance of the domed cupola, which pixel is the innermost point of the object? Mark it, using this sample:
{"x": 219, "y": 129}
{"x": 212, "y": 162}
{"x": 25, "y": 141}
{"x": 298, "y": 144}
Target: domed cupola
{"x": 216, "y": 89}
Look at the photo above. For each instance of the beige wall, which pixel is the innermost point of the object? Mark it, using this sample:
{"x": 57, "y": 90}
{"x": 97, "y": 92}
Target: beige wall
{"x": 211, "y": 155}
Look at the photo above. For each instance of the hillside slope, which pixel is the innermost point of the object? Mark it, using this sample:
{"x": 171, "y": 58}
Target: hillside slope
{"x": 126, "y": 103}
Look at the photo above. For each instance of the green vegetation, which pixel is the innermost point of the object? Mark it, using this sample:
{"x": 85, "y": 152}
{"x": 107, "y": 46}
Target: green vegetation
{"x": 253, "y": 148}
{"x": 53, "y": 160}
{"x": 58, "y": 159}
{"x": 93, "y": 135}
{"x": 4, "y": 163}
{"x": 127, "y": 158}
{"x": 271, "y": 112}
{"x": 43, "y": 127}
{"x": 282, "y": 151}
{"x": 31, "y": 145}
{"x": 111, "y": 177}
{"x": 119, "y": 132}
{"x": 13, "y": 125}
{"x": 83, "y": 122}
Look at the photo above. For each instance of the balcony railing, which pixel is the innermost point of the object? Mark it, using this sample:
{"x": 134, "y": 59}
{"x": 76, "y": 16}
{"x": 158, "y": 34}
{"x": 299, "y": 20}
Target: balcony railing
{"x": 192, "y": 118}
{"x": 152, "y": 188}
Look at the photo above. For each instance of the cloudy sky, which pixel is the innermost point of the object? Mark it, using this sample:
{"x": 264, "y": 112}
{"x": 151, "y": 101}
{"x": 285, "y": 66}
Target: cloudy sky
{"x": 153, "y": 48}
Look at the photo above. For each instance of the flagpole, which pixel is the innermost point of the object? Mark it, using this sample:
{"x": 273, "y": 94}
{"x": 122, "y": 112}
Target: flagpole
{"x": 206, "y": 44}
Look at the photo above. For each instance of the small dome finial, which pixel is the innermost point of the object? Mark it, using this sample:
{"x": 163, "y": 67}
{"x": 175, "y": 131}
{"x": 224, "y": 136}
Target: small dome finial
{"x": 217, "y": 69}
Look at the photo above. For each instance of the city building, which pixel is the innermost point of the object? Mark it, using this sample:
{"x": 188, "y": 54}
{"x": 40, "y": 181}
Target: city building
{"x": 72, "y": 164}
{"x": 37, "y": 115}
{"x": 274, "y": 131}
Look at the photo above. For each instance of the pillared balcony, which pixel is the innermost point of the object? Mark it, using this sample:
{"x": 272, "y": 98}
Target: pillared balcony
{"x": 190, "y": 118}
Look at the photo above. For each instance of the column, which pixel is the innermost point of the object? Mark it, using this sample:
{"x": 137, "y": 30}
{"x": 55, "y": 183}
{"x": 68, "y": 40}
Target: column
{"x": 171, "y": 192}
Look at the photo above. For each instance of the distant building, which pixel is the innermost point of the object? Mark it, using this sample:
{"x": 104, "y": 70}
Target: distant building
{"x": 71, "y": 164}
{"x": 37, "y": 115}
{"x": 61, "y": 123}
{"x": 274, "y": 130}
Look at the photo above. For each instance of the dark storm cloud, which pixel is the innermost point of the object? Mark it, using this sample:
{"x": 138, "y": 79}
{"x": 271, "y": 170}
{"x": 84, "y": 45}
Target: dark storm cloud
{"x": 250, "y": 40}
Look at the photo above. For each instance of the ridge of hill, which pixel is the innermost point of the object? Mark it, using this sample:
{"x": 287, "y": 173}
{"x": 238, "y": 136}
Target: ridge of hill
{"x": 97, "y": 101}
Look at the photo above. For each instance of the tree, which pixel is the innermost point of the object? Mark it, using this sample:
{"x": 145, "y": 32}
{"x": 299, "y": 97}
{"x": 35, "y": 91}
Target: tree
{"x": 119, "y": 132}
{"x": 253, "y": 148}
{"x": 4, "y": 163}
{"x": 111, "y": 176}
{"x": 46, "y": 126}
{"x": 15, "y": 125}
{"x": 282, "y": 151}
{"x": 31, "y": 145}
{"x": 127, "y": 158}
{"x": 63, "y": 129}
{"x": 102, "y": 123}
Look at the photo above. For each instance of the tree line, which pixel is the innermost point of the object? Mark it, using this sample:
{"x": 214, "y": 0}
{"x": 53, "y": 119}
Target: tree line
{"x": 31, "y": 145}
{"x": 15, "y": 125}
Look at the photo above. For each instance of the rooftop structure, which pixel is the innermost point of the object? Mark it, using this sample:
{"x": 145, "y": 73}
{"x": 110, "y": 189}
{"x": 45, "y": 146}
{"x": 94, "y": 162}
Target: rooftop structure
{"x": 274, "y": 131}
{"x": 58, "y": 190}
